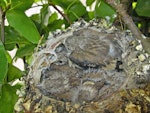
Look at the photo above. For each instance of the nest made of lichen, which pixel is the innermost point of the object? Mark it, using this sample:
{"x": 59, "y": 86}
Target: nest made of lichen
{"x": 136, "y": 65}
{"x": 46, "y": 55}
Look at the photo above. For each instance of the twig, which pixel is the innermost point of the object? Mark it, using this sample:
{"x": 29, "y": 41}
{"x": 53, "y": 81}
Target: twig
{"x": 126, "y": 3}
{"x": 36, "y": 6}
{"x": 62, "y": 14}
{"x": 2, "y": 17}
{"x": 129, "y": 22}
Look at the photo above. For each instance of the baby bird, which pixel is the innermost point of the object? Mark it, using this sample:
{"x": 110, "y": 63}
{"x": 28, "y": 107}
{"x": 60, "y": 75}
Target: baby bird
{"x": 68, "y": 84}
{"x": 89, "y": 47}
{"x": 56, "y": 78}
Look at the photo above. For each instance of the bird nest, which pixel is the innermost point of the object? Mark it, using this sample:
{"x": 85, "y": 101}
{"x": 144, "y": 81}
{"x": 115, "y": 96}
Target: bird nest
{"x": 88, "y": 68}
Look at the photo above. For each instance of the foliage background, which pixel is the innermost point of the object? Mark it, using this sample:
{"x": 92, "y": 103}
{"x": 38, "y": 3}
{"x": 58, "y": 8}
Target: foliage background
{"x": 25, "y": 33}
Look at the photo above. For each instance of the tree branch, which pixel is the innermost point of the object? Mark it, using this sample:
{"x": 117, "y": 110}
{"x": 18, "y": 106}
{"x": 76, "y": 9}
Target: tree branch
{"x": 129, "y": 22}
{"x": 62, "y": 14}
{"x": 2, "y": 17}
{"x": 126, "y": 4}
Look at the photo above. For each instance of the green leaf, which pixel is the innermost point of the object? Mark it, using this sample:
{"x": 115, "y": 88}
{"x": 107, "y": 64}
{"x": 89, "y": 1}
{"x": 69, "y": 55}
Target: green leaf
{"x": 54, "y": 23}
{"x": 36, "y": 18}
{"x": 3, "y": 63}
{"x": 91, "y": 15}
{"x": 64, "y": 3}
{"x": 21, "y": 5}
{"x": 12, "y": 38}
{"x": 73, "y": 8}
{"x": 89, "y": 2}
{"x": 8, "y": 99}
{"x": 29, "y": 59}
{"x": 13, "y": 73}
{"x": 75, "y": 11}
{"x": 143, "y": 8}
{"x": 103, "y": 10}
{"x": 9, "y": 59}
{"x": 23, "y": 25}
{"x": 25, "y": 50}
{"x": 57, "y": 24}
{"x": 4, "y": 4}
{"x": 43, "y": 13}
{"x": 78, "y": 9}
{"x": 53, "y": 17}
{"x": 36, "y": 0}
